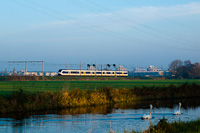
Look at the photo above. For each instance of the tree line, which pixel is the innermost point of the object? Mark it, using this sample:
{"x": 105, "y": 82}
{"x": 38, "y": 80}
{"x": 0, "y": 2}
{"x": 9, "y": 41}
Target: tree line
{"x": 185, "y": 69}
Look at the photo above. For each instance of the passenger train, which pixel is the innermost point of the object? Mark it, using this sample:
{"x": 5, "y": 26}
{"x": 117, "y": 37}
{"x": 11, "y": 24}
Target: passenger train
{"x": 98, "y": 73}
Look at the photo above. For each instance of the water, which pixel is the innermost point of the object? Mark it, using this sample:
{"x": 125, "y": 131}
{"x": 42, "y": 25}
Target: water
{"x": 118, "y": 117}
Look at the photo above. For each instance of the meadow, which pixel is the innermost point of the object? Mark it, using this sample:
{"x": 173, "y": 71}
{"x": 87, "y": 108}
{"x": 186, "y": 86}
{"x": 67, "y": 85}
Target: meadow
{"x": 23, "y": 96}
{"x": 7, "y": 87}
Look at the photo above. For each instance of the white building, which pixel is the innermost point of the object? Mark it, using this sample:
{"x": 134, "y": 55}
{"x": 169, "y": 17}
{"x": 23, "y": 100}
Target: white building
{"x": 121, "y": 68}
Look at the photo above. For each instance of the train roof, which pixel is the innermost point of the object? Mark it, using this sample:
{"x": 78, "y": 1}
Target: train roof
{"x": 87, "y": 70}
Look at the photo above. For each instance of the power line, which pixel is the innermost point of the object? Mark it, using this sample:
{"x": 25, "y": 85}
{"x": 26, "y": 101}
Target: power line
{"x": 157, "y": 31}
{"x": 171, "y": 21}
{"x": 60, "y": 16}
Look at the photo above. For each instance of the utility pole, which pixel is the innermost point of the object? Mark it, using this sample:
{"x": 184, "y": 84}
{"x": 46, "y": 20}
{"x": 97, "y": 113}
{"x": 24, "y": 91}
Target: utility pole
{"x": 95, "y": 66}
{"x": 95, "y": 69}
{"x": 43, "y": 67}
{"x": 133, "y": 70}
{"x": 9, "y": 67}
{"x": 115, "y": 71}
{"x": 25, "y": 66}
{"x": 66, "y": 64}
{"x": 5, "y": 72}
{"x": 80, "y": 68}
{"x": 101, "y": 70}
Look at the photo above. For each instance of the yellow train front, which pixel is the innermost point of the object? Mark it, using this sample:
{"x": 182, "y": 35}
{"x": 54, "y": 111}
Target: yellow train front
{"x": 97, "y": 73}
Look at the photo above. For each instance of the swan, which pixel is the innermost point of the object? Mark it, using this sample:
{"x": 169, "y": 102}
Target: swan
{"x": 145, "y": 116}
{"x": 177, "y": 112}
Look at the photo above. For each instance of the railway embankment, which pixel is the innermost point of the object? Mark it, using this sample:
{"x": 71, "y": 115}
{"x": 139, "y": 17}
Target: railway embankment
{"x": 21, "y": 101}
{"x": 68, "y": 78}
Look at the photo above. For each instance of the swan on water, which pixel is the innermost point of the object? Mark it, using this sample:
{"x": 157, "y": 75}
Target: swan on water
{"x": 145, "y": 116}
{"x": 177, "y": 112}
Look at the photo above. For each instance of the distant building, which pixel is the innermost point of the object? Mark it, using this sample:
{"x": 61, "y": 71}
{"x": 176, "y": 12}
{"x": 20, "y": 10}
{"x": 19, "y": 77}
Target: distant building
{"x": 54, "y": 74}
{"x": 121, "y": 68}
{"x": 151, "y": 71}
{"x": 91, "y": 68}
{"x": 47, "y": 74}
{"x": 41, "y": 74}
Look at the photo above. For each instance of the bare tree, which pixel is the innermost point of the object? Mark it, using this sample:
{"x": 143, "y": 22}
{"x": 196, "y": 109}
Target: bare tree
{"x": 186, "y": 70}
{"x": 196, "y": 70}
{"x": 187, "y": 63}
{"x": 174, "y": 65}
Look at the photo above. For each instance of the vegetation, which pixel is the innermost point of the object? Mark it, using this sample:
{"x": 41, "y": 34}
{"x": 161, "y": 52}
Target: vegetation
{"x": 7, "y": 87}
{"x": 21, "y": 101}
{"x": 164, "y": 126}
{"x": 185, "y": 69}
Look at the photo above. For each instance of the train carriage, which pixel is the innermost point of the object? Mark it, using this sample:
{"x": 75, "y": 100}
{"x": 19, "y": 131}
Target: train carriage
{"x": 104, "y": 73}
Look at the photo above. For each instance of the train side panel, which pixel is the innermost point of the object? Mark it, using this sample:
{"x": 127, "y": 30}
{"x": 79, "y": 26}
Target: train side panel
{"x": 64, "y": 72}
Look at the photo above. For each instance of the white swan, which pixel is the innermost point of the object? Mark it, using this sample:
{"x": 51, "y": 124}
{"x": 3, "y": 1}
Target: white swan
{"x": 177, "y": 112}
{"x": 145, "y": 116}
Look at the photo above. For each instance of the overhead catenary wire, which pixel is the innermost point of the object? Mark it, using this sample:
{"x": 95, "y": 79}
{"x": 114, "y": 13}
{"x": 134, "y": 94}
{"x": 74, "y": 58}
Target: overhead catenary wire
{"x": 172, "y": 34}
{"x": 83, "y": 24}
{"x": 60, "y": 16}
{"x": 156, "y": 32}
{"x": 169, "y": 20}
{"x": 48, "y": 11}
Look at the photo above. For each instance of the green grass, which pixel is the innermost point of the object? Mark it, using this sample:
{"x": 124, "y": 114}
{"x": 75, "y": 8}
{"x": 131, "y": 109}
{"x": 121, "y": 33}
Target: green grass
{"x": 6, "y": 87}
{"x": 164, "y": 126}
{"x": 22, "y": 100}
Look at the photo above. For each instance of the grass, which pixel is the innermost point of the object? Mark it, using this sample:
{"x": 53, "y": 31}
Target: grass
{"x": 24, "y": 101}
{"x": 164, "y": 126}
{"x": 7, "y": 87}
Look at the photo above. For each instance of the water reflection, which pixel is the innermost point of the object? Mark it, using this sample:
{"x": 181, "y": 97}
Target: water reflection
{"x": 116, "y": 117}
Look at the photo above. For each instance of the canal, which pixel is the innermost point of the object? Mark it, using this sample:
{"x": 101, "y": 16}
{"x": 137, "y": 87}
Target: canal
{"x": 118, "y": 117}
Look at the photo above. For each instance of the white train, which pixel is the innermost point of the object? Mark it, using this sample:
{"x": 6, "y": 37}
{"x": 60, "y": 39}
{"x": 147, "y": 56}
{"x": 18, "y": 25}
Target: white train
{"x": 104, "y": 73}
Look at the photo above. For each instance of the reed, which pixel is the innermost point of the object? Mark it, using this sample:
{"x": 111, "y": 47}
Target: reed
{"x": 24, "y": 101}
{"x": 164, "y": 126}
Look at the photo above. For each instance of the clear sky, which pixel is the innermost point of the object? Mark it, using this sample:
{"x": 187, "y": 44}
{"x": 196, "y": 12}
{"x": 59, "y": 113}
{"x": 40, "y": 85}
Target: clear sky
{"x": 139, "y": 32}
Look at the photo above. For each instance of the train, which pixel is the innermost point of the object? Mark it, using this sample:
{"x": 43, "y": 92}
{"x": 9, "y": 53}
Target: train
{"x": 94, "y": 73}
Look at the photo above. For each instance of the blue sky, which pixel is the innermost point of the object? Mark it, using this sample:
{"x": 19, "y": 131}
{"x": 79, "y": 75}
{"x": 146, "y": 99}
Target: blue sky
{"x": 139, "y": 32}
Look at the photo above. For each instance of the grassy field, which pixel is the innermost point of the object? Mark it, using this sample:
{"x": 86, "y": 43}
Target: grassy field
{"x": 6, "y": 87}
{"x": 25, "y": 96}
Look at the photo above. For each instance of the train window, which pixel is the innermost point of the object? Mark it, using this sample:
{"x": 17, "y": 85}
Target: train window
{"x": 65, "y": 72}
{"x": 81, "y": 72}
{"x": 98, "y": 72}
{"x": 113, "y": 72}
{"x": 103, "y": 72}
{"x": 74, "y": 72}
{"x": 108, "y": 72}
{"x": 59, "y": 70}
{"x": 87, "y": 72}
{"x": 125, "y": 73}
{"x": 119, "y": 72}
{"x": 92, "y": 72}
